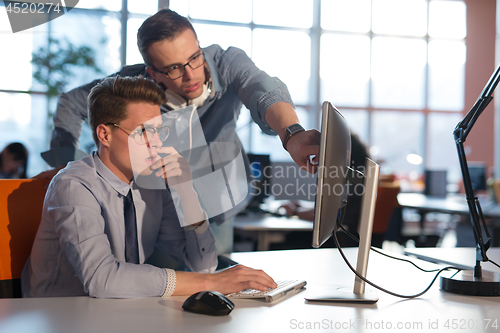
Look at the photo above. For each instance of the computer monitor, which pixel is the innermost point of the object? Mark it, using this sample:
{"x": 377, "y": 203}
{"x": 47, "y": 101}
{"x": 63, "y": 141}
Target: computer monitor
{"x": 477, "y": 173}
{"x": 435, "y": 183}
{"x": 260, "y": 168}
{"x": 334, "y": 174}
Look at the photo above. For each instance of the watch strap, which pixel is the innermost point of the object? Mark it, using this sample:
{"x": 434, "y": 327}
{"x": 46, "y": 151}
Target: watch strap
{"x": 291, "y": 131}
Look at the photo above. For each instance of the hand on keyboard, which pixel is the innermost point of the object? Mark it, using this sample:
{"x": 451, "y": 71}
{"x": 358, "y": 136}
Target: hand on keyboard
{"x": 239, "y": 278}
{"x": 284, "y": 288}
{"x": 259, "y": 293}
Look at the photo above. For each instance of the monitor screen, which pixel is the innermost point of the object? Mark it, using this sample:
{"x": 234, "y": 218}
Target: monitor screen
{"x": 477, "y": 173}
{"x": 260, "y": 168}
{"x": 334, "y": 161}
{"x": 435, "y": 183}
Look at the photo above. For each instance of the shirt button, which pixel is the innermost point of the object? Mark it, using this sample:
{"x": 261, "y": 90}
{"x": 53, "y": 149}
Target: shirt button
{"x": 202, "y": 249}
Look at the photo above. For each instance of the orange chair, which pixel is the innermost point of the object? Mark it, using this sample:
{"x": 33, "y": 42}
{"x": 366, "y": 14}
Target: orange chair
{"x": 21, "y": 202}
{"x": 496, "y": 188}
{"x": 387, "y": 200}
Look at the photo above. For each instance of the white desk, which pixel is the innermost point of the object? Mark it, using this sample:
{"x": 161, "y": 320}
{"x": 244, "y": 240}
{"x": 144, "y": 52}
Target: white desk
{"x": 451, "y": 204}
{"x": 268, "y": 229}
{"x": 319, "y": 267}
{"x": 462, "y": 257}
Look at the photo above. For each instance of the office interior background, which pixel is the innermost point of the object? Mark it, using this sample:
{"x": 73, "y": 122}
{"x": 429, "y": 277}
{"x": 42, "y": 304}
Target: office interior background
{"x": 404, "y": 73}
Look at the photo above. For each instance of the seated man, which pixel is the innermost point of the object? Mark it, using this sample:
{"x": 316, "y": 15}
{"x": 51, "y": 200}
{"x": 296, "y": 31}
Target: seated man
{"x": 86, "y": 243}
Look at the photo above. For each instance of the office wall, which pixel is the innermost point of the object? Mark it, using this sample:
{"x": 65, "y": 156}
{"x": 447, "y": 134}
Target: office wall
{"x": 481, "y": 36}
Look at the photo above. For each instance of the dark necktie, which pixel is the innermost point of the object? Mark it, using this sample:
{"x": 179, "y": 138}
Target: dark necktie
{"x": 131, "y": 245}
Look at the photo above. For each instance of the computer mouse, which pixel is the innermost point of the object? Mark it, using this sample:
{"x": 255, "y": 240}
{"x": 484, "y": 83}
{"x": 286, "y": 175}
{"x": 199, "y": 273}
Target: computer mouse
{"x": 210, "y": 303}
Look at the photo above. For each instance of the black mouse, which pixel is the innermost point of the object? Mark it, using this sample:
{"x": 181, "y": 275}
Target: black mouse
{"x": 208, "y": 302}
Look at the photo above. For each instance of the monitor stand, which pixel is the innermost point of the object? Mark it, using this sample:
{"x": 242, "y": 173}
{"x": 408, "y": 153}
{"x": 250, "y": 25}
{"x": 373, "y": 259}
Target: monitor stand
{"x": 359, "y": 294}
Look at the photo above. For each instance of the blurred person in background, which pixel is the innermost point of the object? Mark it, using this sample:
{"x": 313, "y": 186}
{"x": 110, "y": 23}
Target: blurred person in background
{"x": 13, "y": 161}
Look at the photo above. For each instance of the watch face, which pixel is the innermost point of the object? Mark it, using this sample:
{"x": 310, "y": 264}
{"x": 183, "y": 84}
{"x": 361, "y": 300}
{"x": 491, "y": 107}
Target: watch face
{"x": 293, "y": 128}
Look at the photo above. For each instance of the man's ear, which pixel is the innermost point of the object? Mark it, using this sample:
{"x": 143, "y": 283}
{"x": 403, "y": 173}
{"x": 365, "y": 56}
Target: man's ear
{"x": 103, "y": 134}
{"x": 152, "y": 73}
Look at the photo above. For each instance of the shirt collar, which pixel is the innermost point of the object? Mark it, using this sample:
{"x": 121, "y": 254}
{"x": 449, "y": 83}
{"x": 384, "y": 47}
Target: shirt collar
{"x": 176, "y": 101}
{"x": 110, "y": 178}
{"x": 214, "y": 75}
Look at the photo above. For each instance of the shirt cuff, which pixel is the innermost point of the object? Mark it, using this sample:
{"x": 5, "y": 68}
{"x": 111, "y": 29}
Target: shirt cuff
{"x": 200, "y": 229}
{"x": 171, "y": 280}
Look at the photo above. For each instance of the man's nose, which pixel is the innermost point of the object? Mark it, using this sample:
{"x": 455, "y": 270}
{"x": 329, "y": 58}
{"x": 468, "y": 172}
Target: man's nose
{"x": 188, "y": 73}
{"x": 155, "y": 141}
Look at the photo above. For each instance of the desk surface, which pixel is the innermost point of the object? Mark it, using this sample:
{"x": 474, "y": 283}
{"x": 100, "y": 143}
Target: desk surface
{"x": 453, "y": 204}
{"x": 462, "y": 257}
{"x": 271, "y": 223}
{"x": 269, "y": 229}
{"x": 436, "y": 311}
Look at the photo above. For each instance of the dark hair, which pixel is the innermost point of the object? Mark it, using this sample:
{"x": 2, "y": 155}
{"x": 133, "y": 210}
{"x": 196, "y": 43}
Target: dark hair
{"x": 107, "y": 102}
{"x": 19, "y": 153}
{"x": 166, "y": 24}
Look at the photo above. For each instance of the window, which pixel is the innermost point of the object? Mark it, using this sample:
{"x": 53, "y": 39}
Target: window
{"x": 394, "y": 68}
{"x": 26, "y": 114}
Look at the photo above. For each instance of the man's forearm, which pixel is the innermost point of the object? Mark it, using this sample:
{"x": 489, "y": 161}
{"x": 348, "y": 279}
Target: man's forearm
{"x": 279, "y": 116}
{"x": 192, "y": 211}
{"x": 189, "y": 282}
{"x": 301, "y": 146}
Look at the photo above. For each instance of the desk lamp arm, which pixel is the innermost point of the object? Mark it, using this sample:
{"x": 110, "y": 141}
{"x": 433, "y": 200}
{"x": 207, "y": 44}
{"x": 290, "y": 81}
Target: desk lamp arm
{"x": 460, "y": 133}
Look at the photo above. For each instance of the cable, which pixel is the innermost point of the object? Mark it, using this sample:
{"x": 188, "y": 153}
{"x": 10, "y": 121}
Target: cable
{"x": 439, "y": 271}
{"x": 387, "y": 255}
{"x": 356, "y": 239}
{"x": 380, "y": 288}
{"x": 494, "y": 263}
{"x": 404, "y": 260}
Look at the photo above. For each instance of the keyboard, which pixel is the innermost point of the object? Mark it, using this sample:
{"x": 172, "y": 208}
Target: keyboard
{"x": 283, "y": 288}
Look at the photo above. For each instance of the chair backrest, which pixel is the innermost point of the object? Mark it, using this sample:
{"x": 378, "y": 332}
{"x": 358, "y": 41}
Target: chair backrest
{"x": 496, "y": 188}
{"x": 387, "y": 200}
{"x": 21, "y": 202}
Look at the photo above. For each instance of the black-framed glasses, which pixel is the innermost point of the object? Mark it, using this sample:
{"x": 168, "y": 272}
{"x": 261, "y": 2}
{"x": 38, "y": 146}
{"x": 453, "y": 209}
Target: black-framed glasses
{"x": 176, "y": 71}
{"x": 144, "y": 134}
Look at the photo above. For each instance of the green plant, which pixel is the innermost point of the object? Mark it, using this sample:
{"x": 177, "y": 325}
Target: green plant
{"x": 54, "y": 64}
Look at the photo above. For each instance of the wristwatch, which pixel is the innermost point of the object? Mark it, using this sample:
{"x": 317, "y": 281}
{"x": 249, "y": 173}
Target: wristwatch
{"x": 291, "y": 131}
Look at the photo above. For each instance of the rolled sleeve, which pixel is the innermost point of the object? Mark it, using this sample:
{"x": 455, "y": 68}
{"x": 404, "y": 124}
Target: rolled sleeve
{"x": 199, "y": 229}
{"x": 70, "y": 113}
{"x": 254, "y": 87}
{"x": 171, "y": 282}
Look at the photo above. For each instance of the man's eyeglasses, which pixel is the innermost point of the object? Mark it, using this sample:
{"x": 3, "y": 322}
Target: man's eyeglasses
{"x": 145, "y": 135}
{"x": 176, "y": 71}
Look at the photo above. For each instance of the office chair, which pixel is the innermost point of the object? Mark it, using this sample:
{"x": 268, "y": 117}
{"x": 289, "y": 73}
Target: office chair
{"x": 21, "y": 202}
{"x": 387, "y": 201}
{"x": 496, "y": 189}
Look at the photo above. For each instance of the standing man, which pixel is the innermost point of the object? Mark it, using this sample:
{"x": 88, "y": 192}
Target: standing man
{"x": 98, "y": 226}
{"x": 216, "y": 81}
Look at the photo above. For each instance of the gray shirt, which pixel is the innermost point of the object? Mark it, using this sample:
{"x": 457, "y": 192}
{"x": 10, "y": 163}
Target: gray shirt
{"x": 235, "y": 81}
{"x": 79, "y": 248}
